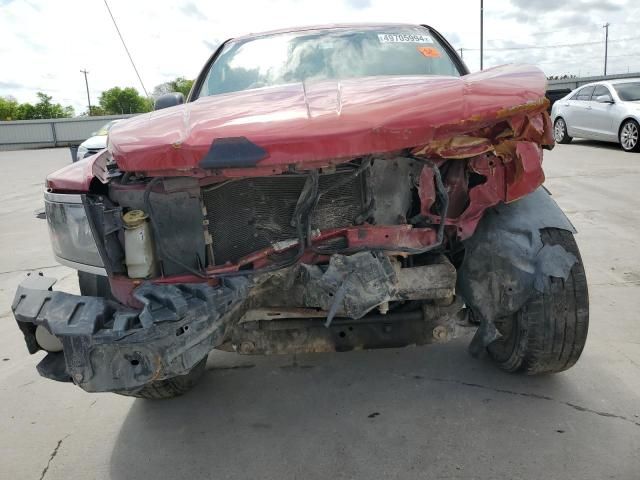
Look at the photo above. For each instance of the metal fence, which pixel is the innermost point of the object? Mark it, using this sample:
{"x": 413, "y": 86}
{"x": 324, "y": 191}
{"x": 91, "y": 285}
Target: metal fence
{"x": 571, "y": 83}
{"x": 57, "y": 132}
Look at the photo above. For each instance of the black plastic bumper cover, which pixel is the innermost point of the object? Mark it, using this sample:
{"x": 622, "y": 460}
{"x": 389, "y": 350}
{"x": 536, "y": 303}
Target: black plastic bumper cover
{"x": 107, "y": 347}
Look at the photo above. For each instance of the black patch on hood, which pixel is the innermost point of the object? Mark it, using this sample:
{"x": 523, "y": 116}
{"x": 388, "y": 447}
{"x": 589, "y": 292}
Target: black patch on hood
{"x": 233, "y": 152}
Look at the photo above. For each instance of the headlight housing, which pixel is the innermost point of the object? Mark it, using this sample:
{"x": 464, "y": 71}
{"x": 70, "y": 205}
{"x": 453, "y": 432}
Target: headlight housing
{"x": 82, "y": 151}
{"x": 71, "y": 237}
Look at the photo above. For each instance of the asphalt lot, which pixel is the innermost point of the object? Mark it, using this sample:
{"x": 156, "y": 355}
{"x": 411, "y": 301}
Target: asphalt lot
{"x": 429, "y": 412}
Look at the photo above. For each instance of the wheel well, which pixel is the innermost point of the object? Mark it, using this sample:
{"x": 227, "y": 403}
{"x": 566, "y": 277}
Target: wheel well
{"x": 624, "y": 120}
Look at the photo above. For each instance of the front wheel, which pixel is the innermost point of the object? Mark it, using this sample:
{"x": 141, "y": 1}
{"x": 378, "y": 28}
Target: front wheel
{"x": 548, "y": 334}
{"x": 628, "y": 136}
{"x": 170, "y": 387}
{"x": 560, "y": 133}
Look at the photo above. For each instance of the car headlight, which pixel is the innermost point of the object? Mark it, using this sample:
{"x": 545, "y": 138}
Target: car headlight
{"x": 71, "y": 237}
{"x": 82, "y": 151}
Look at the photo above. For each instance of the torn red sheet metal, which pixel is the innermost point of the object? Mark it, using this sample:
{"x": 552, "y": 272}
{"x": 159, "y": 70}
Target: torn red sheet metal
{"x": 398, "y": 238}
{"x": 501, "y": 181}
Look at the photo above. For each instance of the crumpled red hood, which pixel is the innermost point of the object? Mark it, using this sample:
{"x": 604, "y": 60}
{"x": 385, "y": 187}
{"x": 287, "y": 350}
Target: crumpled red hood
{"x": 323, "y": 121}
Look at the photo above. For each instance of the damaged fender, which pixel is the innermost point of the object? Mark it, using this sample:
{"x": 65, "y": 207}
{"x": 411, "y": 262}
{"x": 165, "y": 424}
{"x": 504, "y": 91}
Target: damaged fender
{"x": 506, "y": 263}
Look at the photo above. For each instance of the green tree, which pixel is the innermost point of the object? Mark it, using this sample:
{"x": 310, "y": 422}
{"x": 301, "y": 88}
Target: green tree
{"x": 26, "y": 111}
{"x": 96, "y": 111}
{"x": 118, "y": 100}
{"x": 45, "y": 109}
{"x": 8, "y": 108}
{"x": 179, "y": 84}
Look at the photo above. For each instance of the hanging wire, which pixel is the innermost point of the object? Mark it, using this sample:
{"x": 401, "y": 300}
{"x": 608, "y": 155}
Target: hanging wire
{"x": 125, "y": 47}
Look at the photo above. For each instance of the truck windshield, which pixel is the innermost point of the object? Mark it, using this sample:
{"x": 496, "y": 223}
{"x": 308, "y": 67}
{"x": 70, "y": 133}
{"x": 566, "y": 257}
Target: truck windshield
{"x": 326, "y": 54}
{"x": 628, "y": 92}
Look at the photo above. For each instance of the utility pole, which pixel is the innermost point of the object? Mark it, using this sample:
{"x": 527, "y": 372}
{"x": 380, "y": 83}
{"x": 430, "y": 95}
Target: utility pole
{"x": 481, "y": 31}
{"x": 86, "y": 82}
{"x": 606, "y": 45}
{"x": 461, "y": 54}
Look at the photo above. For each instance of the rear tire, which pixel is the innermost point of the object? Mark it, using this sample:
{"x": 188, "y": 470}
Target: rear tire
{"x": 170, "y": 387}
{"x": 549, "y": 333}
{"x": 560, "y": 133}
{"x": 629, "y": 136}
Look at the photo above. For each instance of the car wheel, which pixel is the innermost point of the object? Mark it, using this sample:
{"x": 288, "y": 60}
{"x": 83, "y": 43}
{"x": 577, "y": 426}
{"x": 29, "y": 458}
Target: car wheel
{"x": 170, "y": 387}
{"x": 548, "y": 334}
{"x": 628, "y": 136}
{"x": 560, "y": 131}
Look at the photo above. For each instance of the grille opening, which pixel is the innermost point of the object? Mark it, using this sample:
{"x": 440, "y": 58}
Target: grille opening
{"x": 250, "y": 214}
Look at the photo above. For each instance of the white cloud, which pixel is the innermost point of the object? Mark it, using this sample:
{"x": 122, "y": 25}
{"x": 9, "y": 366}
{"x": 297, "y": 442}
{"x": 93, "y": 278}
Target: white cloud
{"x": 44, "y": 44}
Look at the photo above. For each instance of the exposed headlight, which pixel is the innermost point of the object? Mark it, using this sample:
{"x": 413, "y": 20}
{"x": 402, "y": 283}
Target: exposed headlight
{"x": 82, "y": 151}
{"x": 71, "y": 237}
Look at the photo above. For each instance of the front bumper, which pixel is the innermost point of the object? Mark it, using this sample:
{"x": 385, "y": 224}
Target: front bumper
{"x": 108, "y": 347}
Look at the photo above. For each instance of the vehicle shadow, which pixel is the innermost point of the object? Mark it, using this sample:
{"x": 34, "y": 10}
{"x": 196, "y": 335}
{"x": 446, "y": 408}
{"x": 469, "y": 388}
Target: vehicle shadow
{"x": 368, "y": 414}
{"x": 596, "y": 143}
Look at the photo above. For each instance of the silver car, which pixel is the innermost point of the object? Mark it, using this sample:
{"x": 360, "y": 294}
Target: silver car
{"x": 607, "y": 111}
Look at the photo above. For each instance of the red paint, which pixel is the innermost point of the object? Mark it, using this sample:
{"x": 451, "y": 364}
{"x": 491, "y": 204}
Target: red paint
{"x": 524, "y": 173}
{"x": 482, "y": 196}
{"x": 325, "y": 121}
{"x": 74, "y": 178}
{"x": 426, "y": 190}
{"x": 122, "y": 288}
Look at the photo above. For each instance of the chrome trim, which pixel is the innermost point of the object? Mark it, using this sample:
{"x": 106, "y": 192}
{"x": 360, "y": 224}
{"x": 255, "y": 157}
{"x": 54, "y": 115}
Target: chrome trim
{"x": 62, "y": 197}
{"x": 81, "y": 266}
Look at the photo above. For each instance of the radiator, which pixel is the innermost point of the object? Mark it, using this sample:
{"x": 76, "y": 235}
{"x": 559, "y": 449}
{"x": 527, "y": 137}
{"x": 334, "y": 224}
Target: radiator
{"x": 250, "y": 214}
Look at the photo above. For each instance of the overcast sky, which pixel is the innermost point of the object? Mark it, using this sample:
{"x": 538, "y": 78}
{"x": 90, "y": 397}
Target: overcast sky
{"x": 44, "y": 44}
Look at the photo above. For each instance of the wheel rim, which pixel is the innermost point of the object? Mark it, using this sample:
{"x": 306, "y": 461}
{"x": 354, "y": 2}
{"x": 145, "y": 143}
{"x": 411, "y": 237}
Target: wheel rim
{"x": 629, "y": 136}
{"x": 558, "y": 130}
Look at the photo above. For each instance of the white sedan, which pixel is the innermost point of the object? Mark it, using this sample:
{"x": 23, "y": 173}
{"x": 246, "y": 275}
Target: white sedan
{"x": 96, "y": 142}
{"x": 607, "y": 111}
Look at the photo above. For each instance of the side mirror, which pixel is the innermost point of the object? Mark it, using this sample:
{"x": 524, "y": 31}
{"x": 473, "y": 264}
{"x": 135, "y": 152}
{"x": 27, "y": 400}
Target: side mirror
{"x": 168, "y": 100}
{"x": 604, "y": 99}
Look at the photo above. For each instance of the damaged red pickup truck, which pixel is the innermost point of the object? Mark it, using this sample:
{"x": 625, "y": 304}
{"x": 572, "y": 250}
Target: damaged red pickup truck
{"x": 322, "y": 189}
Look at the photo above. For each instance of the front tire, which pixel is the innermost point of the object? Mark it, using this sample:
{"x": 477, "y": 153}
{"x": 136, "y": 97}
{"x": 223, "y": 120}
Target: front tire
{"x": 629, "y": 136}
{"x": 170, "y": 387}
{"x": 549, "y": 333}
{"x": 560, "y": 133}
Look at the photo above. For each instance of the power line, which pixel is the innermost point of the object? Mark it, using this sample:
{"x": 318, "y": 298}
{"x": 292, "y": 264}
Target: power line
{"x": 538, "y": 47}
{"x": 625, "y": 55}
{"x": 562, "y": 29}
{"x": 542, "y": 47}
{"x": 125, "y": 47}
